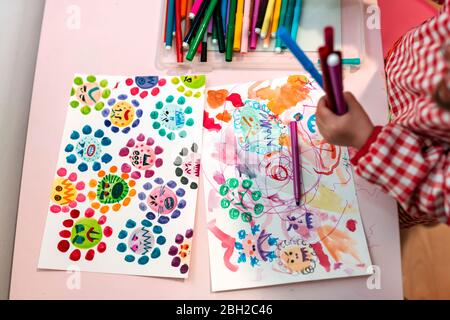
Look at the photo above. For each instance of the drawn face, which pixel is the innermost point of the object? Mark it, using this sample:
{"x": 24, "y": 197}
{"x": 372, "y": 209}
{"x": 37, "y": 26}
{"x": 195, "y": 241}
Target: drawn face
{"x": 143, "y": 157}
{"x": 146, "y": 82}
{"x": 296, "y": 258}
{"x": 185, "y": 250}
{"x": 122, "y": 114}
{"x": 141, "y": 241}
{"x": 172, "y": 117}
{"x": 191, "y": 166}
{"x": 162, "y": 200}
{"x": 193, "y": 82}
{"x": 89, "y": 149}
{"x": 63, "y": 192}
{"x": 250, "y": 247}
{"x": 111, "y": 189}
{"x": 86, "y": 233}
{"x": 89, "y": 93}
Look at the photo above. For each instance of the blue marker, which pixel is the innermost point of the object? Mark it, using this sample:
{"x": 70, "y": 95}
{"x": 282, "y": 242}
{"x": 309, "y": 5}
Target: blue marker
{"x": 296, "y": 21}
{"x": 285, "y": 35}
{"x": 170, "y": 24}
{"x": 224, "y": 10}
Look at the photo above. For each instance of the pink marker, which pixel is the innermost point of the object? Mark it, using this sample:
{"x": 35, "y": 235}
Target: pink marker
{"x": 245, "y": 26}
{"x": 195, "y": 8}
{"x": 253, "y": 34}
{"x": 335, "y": 70}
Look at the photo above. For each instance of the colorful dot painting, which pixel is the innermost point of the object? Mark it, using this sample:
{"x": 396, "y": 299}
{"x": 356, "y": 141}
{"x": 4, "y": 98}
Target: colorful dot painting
{"x": 143, "y": 156}
{"x": 87, "y": 149}
{"x": 83, "y": 235}
{"x": 171, "y": 117}
{"x": 190, "y": 86}
{"x": 256, "y": 246}
{"x": 141, "y": 242}
{"x": 181, "y": 251}
{"x": 88, "y": 93}
{"x": 66, "y": 191}
{"x": 187, "y": 165}
{"x": 122, "y": 114}
{"x": 142, "y": 86}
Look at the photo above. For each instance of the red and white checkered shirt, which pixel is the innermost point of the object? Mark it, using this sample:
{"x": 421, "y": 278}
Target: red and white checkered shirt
{"x": 410, "y": 157}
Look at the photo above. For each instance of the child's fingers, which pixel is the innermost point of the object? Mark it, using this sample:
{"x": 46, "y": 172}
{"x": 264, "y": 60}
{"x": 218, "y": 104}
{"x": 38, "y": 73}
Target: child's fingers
{"x": 323, "y": 112}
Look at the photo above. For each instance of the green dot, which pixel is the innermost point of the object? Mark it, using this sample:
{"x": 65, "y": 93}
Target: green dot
{"x": 247, "y": 184}
{"x": 156, "y": 125}
{"x": 188, "y": 93}
{"x": 99, "y": 106}
{"x": 154, "y": 115}
{"x": 246, "y": 217}
{"x": 170, "y": 99}
{"x": 180, "y": 89}
{"x": 159, "y": 105}
{"x": 85, "y": 110}
{"x": 224, "y": 190}
{"x": 198, "y": 95}
{"x": 104, "y": 83}
{"x": 162, "y": 132}
{"x": 91, "y": 79}
{"x": 234, "y": 213}
{"x": 182, "y": 134}
{"x": 233, "y": 183}
{"x": 225, "y": 203}
{"x": 256, "y": 195}
{"x": 106, "y": 93}
{"x": 171, "y": 136}
{"x": 190, "y": 122}
{"x": 181, "y": 100}
{"x": 259, "y": 208}
{"x": 78, "y": 81}
{"x": 72, "y": 92}
{"x": 74, "y": 104}
{"x": 175, "y": 80}
{"x": 188, "y": 110}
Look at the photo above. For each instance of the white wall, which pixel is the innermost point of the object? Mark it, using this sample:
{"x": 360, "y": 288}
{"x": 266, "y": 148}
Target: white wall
{"x": 20, "y": 25}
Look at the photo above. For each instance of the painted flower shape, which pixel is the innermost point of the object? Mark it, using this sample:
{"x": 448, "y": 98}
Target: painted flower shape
{"x": 83, "y": 235}
{"x": 190, "y": 86}
{"x": 87, "y": 149}
{"x": 181, "y": 251}
{"x": 113, "y": 190}
{"x": 216, "y": 98}
{"x": 255, "y": 247}
{"x": 142, "y": 86}
{"x": 87, "y": 94}
{"x": 66, "y": 191}
{"x": 172, "y": 117}
{"x": 122, "y": 114}
{"x": 140, "y": 243}
{"x": 162, "y": 200}
{"x": 187, "y": 165}
{"x": 143, "y": 155}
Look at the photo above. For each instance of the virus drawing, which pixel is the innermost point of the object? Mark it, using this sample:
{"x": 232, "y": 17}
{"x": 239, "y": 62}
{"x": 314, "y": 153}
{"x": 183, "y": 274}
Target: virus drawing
{"x": 142, "y": 86}
{"x": 190, "y": 86}
{"x": 187, "y": 165}
{"x": 296, "y": 256}
{"x": 122, "y": 114}
{"x": 181, "y": 251}
{"x": 87, "y": 94}
{"x": 256, "y": 246}
{"x": 66, "y": 191}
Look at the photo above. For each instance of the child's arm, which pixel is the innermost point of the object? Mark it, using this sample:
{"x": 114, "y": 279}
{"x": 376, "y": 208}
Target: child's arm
{"x": 417, "y": 175}
{"x": 436, "y": 3}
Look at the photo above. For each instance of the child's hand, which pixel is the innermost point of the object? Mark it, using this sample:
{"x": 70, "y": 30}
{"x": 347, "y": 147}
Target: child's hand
{"x": 352, "y": 129}
{"x": 442, "y": 94}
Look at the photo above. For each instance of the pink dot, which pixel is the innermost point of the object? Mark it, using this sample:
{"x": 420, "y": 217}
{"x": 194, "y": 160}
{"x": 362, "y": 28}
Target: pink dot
{"x": 134, "y": 91}
{"x": 63, "y": 245}
{"x": 90, "y": 255}
{"x": 155, "y": 91}
{"x": 150, "y": 141}
{"x": 102, "y": 220}
{"x": 73, "y": 204}
{"x": 149, "y": 173}
{"x": 75, "y": 255}
{"x": 129, "y": 82}
{"x": 73, "y": 177}
{"x": 65, "y": 209}
{"x": 159, "y": 162}
{"x": 55, "y": 209}
{"x": 144, "y": 94}
{"x": 80, "y": 185}
{"x": 101, "y": 247}
{"x": 162, "y": 82}
{"x": 159, "y": 150}
{"x": 68, "y": 223}
{"x": 65, "y": 234}
{"x": 89, "y": 212}
{"x": 74, "y": 214}
{"x": 140, "y": 137}
{"x": 136, "y": 175}
{"x": 81, "y": 198}
{"x": 124, "y": 152}
{"x": 62, "y": 172}
{"x": 108, "y": 231}
{"x": 126, "y": 168}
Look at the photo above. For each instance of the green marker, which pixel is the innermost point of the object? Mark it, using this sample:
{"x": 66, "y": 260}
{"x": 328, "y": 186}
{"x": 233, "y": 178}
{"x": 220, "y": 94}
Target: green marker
{"x": 230, "y": 31}
{"x": 201, "y": 30}
{"x": 348, "y": 61}
{"x": 281, "y": 22}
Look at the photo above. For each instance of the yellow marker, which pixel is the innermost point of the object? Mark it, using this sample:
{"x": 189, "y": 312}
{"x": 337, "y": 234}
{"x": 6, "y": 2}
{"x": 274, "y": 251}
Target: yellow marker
{"x": 238, "y": 26}
{"x": 267, "y": 18}
{"x": 276, "y": 18}
{"x": 266, "y": 43}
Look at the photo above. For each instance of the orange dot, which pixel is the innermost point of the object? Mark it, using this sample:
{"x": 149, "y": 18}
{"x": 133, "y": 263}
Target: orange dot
{"x": 132, "y": 192}
{"x": 126, "y": 201}
{"x": 104, "y": 209}
{"x": 101, "y": 173}
{"x": 93, "y": 183}
{"x": 249, "y": 241}
{"x": 125, "y": 176}
{"x": 95, "y": 205}
{"x": 116, "y": 207}
{"x": 132, "y": 183}
{"x": 92, "y": 195}
{"x": 113, "y": 169}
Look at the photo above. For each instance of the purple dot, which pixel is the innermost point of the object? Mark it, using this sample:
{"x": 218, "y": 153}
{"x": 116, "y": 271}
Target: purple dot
{"x": 179, "y": 239}
{"x": 176, "y": 262}
{"x": 159, "y": 181}
{"x": 139, "y": 113}
{"x": 150, "y": 216}
{"x": 175, "y": 214}
{"x": 180, "y": 192}
{"x": 173, "y": 250}
{"x": 184, "y": 268}
{"x": 123, "y": 97}
{"x": 110, "y": 103}
{"x": 172, "y": 184}
{"x": 182, "y": 204}
{"x": 189, "y": 233}
{"x": 147, "y": 186}
{"x": 142, "y": 206}
{"x": 135, "y": 103}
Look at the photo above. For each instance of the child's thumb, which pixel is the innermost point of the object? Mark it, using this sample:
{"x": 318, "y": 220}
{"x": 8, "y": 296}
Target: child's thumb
{"x": 323, "y": 111}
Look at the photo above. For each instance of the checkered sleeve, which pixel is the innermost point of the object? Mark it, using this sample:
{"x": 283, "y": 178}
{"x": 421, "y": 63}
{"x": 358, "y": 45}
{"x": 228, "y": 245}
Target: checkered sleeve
{"x": 414, "y": 171}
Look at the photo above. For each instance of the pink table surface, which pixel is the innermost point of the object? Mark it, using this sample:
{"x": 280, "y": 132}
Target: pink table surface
{"x": 119, "y": 37}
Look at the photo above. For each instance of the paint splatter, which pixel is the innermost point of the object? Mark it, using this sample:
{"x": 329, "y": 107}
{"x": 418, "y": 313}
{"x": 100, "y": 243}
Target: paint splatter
{"x": 224, "y": 116}
{"x": 323, "y": 258}
{"x": 216, "y": 98}
{"x": 236, "y": 100}
{"x": 351, "y": 225}
{"x": 209, "y": 123}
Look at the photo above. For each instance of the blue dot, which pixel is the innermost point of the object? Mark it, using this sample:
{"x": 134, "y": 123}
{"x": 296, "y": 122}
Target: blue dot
{"x": 96, "y": 166}
{"x": 150, "y": 216}
{"x": 172, "y": 184}
{"x": 176, "y": 214}
{"x": 159, "y": 181}
{"x": 106, "y": 158}
{"x": 124, "y": 130}
{"x": 106, "y": 141}
{"x": 83, "y": 167}
{"x": 183, "y": 134}
{"x": 123, "y": 97}
{"x": 129, "y": 258}
{"x": 71, "y": 159}
{"x": 75, "y": 135}
{"x": 188, "y": 110}
{"x": 99, "y": 133}
{"x": 161, "y": 240}
{"x": 143, "y": 260}
{"x": 131, "y": 224}
{"x": 135, "y": 103}
{"x": 141, "y": 196}
{"x": 111, "y": 102}
{"x": 181, "y": 100}
{"x": 135, "y": 123}
{"x": 122, "y": 234}
{"x": 147, "y": 186}
{"x": 107, "y": 123}
{"x": 182, "y": 204}
{"x": 156, "y": 253}
{"x": 139, "y": 113}
{"x": 121, "y": 247}
{"x": 105, "y": 112}
{"x": 157, "y": 229}
{"x": 69, "y": 148}
{"x": 146, "y": 223}
{"x": 163, "y": 219}
{"x": 115, "y": 129}
{"x": 87, "y": 130}
{"x": 142, "y": 206}
{"x": 181, "y": 192}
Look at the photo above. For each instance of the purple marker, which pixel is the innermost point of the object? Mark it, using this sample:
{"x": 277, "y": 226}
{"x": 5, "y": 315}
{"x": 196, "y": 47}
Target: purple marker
{"x": 295, "y": 150}
{"x": 253, "y": 34}
{"x": 335, "y": 70}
